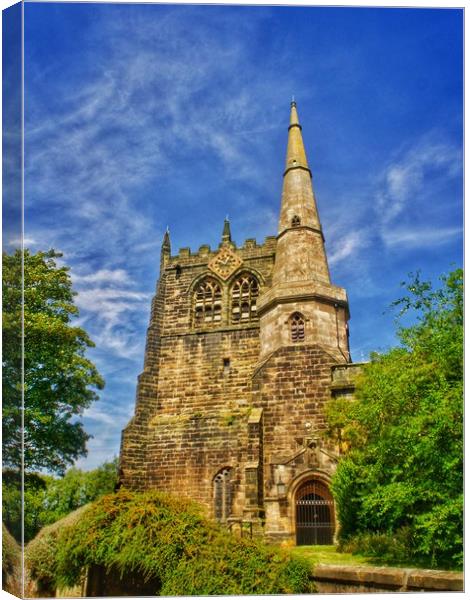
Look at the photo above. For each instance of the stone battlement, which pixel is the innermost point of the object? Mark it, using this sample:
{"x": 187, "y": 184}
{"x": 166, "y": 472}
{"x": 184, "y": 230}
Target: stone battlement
{"x": 249, "y": 249}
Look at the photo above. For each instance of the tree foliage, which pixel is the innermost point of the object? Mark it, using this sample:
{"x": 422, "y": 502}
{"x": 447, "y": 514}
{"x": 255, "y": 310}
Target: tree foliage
{"x": 165, "y": 540}
{"x": 48, "y": 499}
{"x": 59, "y": 381}
{"x": 401, "y": 477}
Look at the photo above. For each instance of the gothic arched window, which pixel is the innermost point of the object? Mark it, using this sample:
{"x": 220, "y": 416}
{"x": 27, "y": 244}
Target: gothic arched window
{"x": 295, "y": 221}
{"x": 223, "y": 494}
{"x": 297, "y": 327}
{"x": 245, "y": 291}
{"x": 207, "y": 302}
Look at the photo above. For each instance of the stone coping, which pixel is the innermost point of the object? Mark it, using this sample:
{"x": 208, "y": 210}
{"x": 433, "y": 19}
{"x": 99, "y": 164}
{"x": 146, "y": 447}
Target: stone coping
{"x": 393, "y": 578}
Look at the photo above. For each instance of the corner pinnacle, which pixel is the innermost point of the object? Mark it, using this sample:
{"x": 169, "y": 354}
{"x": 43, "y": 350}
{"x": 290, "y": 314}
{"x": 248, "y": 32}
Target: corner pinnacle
{"x": 166, "y": 245}
{"x": 226, "y": 234}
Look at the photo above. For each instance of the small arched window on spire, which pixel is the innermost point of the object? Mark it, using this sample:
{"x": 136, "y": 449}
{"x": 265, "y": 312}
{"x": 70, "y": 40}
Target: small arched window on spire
{"x": 295, "y": 221}
{"x": 207, "y": 302}
{"x": 297, "y": 327}
{"x": 245, "y": 291}
{"x": 223, "y": 494}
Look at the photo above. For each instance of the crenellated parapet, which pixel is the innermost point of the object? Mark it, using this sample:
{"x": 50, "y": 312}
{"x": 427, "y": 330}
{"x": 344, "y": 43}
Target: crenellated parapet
{"x": 249, "y": 250}
{"x": 214, "y": 289}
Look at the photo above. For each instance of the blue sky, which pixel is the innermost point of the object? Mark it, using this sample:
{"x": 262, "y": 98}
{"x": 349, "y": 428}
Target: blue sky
{"x": 143, "y": 116}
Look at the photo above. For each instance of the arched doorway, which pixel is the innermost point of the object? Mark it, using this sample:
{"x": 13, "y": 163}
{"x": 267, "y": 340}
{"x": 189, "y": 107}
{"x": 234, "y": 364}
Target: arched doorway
{"x": 314, "y": 514}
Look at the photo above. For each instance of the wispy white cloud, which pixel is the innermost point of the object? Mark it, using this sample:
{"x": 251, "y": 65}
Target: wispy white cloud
{"x": 96, "y": 413}
{"x": 420, "y": 237}
{"x": 103, "y": 141}
{"x": 348, "y": 245}
{"x": 103, "y": 276}
{"x": 27, "y": 241}
{"x": 114, "y": 314}
{"x": 405, "y": 207}
{"x": 413, "y": 173}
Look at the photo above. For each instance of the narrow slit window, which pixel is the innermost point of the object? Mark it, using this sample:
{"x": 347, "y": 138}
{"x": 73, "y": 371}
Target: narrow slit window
{"x": 223, "y": 494}
{"x": 297, "y": 327}
{"x": 295, "y": 221}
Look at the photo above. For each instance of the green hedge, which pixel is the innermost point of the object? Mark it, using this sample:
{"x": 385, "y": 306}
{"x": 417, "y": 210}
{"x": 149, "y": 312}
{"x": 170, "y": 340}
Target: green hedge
{"x": 164, "y": 539}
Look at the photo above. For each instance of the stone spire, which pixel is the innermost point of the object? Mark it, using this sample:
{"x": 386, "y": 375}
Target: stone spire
{"x": 296, "y": 156}
{"x": 226, "y": 234}
{"x": 300, "y": 254}
{"x": 301, "y": 285}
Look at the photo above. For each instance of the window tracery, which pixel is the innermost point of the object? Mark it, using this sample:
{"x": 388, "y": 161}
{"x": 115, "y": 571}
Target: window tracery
{"x": 245, "y": 291}
{"x": 207, "y": 302}
{"x": 297, "y": 327}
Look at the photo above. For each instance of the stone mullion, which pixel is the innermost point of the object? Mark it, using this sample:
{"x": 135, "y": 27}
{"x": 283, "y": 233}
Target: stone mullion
{"x": 226, "y": 305}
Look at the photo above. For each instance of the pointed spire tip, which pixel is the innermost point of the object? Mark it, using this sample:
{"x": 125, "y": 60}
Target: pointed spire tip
{"x": 166, "y": 237}
{"x": 226, "y": 233}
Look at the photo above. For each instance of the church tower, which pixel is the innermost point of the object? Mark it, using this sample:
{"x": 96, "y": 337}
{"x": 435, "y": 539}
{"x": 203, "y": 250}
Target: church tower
{"x": 241, "y": 346}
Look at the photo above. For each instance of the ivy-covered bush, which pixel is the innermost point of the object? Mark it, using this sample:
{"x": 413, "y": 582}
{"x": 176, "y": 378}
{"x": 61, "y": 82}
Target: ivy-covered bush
{"x": 167, "y": 540}
{"x": 41, "y": 553}
{"x": 11, "y": 563}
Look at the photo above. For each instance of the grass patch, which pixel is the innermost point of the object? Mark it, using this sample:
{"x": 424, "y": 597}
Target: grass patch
{"x": 331, "y": 555}
{"x": 327, "y": 555}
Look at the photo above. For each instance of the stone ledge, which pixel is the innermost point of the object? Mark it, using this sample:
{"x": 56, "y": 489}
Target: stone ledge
{"x": 386, "y": 578}
{"x": 382, "y": 576}
{"x": 442, "y": 581}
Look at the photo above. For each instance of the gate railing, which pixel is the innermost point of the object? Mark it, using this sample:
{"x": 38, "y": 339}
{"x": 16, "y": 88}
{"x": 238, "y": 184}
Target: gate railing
{"x": 241, "y": 527}
{"x": 314, "y": 515}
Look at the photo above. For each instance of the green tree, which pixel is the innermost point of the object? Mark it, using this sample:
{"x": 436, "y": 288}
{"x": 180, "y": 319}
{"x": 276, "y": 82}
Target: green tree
{"x": 401, "y": 477}
{"x": 48, "y": 499}
{"x": 65, "y": 494}
{"x": 12, "y": 502}
{"x": 59, "y": 381}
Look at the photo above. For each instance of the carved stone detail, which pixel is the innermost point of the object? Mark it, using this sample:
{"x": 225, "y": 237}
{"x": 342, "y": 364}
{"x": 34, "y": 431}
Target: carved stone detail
{"x": 225, "y": 263}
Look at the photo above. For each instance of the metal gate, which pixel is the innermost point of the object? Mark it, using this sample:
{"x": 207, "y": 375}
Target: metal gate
{"x": 314, "y": 514}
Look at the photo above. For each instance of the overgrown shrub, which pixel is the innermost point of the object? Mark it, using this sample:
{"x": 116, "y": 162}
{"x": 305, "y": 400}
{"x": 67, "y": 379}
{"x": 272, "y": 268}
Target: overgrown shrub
{"x": 236, "y": 566}
{"x": 164, "y": 539}
{"x": 41, "y": 553}
{"x": 384, "y": 548}
{"x": 11, "y": 563}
